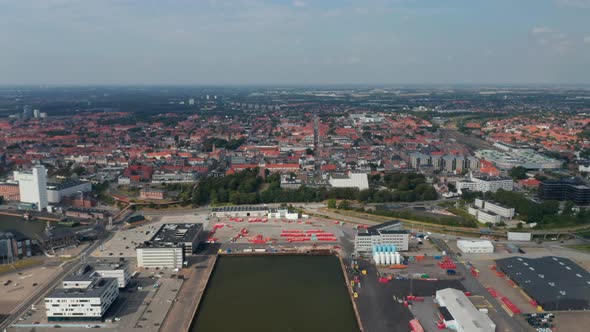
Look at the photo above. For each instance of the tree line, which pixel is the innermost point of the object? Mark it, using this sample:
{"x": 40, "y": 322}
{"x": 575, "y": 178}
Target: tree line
{"x": 249, "y": 187}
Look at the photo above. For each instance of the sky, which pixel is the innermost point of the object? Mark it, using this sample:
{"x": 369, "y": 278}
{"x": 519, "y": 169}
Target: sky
{"x": 241, "y": 42}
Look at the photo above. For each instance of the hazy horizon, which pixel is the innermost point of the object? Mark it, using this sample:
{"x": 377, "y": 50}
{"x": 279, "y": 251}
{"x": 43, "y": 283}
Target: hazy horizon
{"x": 295, "y": 42}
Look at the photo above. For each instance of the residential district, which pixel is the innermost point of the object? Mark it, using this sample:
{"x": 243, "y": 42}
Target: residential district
{"x": 447, "y": 209}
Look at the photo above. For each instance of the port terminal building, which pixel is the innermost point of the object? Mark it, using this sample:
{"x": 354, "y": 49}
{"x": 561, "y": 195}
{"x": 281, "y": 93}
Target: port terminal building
{"x": 170, "y": 245}
{"x": 388, "y": 233}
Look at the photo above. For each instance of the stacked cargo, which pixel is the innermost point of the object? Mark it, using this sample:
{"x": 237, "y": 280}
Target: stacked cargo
{"x": 447, "y": 263}
{"x": 415, "y": 326}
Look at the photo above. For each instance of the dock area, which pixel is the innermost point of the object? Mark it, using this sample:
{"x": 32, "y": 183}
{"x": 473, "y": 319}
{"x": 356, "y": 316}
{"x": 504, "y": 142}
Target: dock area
{"x": 185, "y": 307}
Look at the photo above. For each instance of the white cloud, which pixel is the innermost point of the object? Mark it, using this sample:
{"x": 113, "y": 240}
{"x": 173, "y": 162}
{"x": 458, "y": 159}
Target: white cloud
{"x": 556, "y": 40}
{"x": 541, "y": 30}
{"x": 573, "y": 3}
{"x": 587, "y": 40}
{"x": 299, "y": 3}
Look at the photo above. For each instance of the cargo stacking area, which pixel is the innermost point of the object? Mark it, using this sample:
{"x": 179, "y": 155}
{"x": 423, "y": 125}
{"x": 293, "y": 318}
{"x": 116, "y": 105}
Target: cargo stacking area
{"x": 276, "y": 293}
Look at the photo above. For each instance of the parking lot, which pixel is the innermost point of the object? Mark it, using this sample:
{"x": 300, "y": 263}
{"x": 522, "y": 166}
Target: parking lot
{"x": 124, "y": 242}
{"x": 140, "y": 306}
{"x": 15, "y": 287}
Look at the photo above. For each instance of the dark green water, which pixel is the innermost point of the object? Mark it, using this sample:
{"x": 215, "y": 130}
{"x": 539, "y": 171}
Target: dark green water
{"x": 274, "y": 294}
{"x": 29, "y": 228}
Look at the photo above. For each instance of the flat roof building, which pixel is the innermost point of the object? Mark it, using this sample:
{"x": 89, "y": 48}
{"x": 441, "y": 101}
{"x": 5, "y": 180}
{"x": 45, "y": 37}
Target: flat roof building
{"x": 239, "y": 211}
{"x": 556, "y": 283}
{"x": 390, "y": 232}
{"x": 33, "y": 186}
{"x": 170, "y": 245}
{"x": 475, "y": 246}
{"x": 460, "y": 314}
{"x": 83, "y": 296}
{"x": 486, "y": 183}
{"x": 574, "y": 190}
{"x": 350, "y": 180}
{"x": 56, "y": 191}
{"x": 120, "y": 270}
{"x": 511, "y": 157}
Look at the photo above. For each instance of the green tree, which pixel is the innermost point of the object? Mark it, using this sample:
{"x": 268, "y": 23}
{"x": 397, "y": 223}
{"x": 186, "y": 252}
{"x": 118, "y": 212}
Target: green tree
{"x": 568, "y": 207}
{"x": 518, "y": 173}
{"x": 344, "y": 205}
{"x": 332, "y": 203}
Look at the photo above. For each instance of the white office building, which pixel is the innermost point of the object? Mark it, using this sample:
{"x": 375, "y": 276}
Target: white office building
{"x": 390, "y": 232}
{"x": 484, "y": 216}
{"x": 33, "y": 186}
{"x": 164, "y": 256}
{"x": 351, "y": 180}
{"x": 282, "y": 214}
{"x": 485, "y": 183}
{"x": 170, "y": 245}
{"x": 460, "y": 314}
{"x": 90, "y": 300}
{"x": 503, "y": 211}
{"x": 475, "y": 246}
{"x": 120, "y": 270}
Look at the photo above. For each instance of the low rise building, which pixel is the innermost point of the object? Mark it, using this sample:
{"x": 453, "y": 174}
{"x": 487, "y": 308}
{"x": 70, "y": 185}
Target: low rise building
{"x": 510, "y": 156}
{"x": 282, "y": 213}
{"x": 239, "y": 211}
{"x": 14, "y": 244}
{"x": 83, "y": 296}
{"x": 485, "y": 216}
{"x": 486, "y": 183}
{"x": 151, "y": 193}
{"x": 475, "y": 246}
{"x": 176, "y": 177}
{"x": 120, "y": 270}
{"x": 390, "y": 232}
{"x": 56, "y": 191}
{"x": 555, "y": 283}
{"x": 503, "y": 211}
{"x": 351, "y": 180}
{"x": 459, "y": 314}
{"x": 169, "y": 246}
{"x": 10, "y": 191}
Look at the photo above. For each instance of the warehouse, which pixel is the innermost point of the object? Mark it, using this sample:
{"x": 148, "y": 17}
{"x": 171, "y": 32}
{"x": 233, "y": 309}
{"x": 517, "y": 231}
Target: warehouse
{"x": 170, "y": 245}
{"x": 556, "y": 283}
{"x": 458, "y": 313}
{"x": 475, "y": 247}
{"x": 390, "y": 232}
{"x": 239, "y": 211}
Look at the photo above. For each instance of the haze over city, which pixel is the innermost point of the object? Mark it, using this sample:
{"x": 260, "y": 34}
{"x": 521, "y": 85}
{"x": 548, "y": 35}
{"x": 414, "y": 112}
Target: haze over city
{"x": 295, "y": 165}
{"x": 294, "y": 42}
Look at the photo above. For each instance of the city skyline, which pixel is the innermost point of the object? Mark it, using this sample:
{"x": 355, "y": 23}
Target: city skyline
{"x": 251, "y": 42}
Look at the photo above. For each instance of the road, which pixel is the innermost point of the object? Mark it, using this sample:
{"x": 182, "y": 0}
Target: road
{"x": 370, "y": 219}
